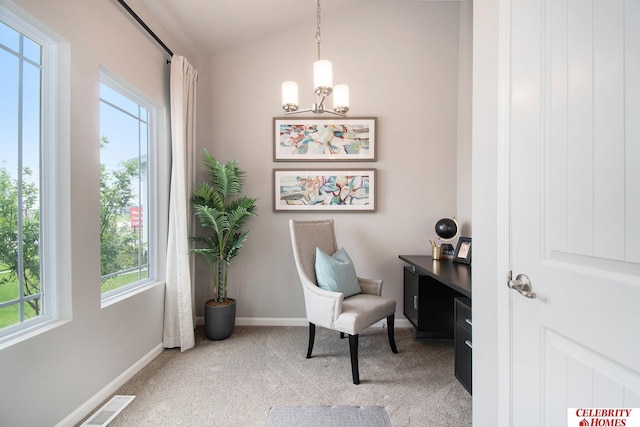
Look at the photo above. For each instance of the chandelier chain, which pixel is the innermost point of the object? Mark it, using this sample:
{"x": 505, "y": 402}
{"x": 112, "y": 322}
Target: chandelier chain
{"x": 318, "y": 28}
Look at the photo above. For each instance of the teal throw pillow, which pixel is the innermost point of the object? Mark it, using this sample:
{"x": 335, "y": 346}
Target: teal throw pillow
{"x": 336, "y": 273}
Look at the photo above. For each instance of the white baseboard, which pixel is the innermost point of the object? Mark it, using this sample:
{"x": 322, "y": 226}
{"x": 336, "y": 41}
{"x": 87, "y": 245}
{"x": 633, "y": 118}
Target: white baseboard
{"x": 295, "y": 321}
{"x": 95, "y": 401}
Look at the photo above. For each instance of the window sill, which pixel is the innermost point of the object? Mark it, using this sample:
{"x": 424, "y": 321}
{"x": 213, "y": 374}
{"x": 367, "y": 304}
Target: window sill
{"x": 32, "y": 331}
{"x": 114, "y": 299}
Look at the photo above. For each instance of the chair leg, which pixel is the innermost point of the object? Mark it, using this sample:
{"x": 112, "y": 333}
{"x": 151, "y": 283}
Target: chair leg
{"x": 392, "y": 340}
{"x": 353, "y": 347}
{"x": 312, "y": 335}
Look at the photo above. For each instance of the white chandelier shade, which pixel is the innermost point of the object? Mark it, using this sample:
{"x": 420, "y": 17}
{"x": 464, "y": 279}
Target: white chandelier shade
{"x": 341, "y": 98}
{"x": 289, "y": 93}
{"x": 322, "y": 75}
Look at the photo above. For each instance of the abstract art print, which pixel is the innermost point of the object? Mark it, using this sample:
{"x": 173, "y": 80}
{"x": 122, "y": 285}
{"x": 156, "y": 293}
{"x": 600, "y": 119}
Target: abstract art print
{"x": 352, "y": 139}
{"x": 334, "y": 190}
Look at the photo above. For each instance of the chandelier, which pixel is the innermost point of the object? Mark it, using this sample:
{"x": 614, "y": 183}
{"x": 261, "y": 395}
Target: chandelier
{"x": 322, "y": 83}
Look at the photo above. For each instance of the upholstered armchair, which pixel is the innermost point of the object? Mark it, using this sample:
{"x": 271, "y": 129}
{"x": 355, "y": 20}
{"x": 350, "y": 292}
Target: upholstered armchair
{"x": 330, "y": 309}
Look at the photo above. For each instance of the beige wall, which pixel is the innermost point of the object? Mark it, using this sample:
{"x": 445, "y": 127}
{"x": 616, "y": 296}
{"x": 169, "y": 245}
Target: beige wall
{"x": 401, "y": 62}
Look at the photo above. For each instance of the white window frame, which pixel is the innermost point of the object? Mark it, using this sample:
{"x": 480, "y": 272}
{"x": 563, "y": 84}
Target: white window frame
{"x": 154, "y": 155}
{"x": 55, "y": 229}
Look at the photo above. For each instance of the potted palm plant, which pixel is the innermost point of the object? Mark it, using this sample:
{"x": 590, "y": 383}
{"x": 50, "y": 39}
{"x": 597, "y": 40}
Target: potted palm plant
{"x": 222, "y": 211}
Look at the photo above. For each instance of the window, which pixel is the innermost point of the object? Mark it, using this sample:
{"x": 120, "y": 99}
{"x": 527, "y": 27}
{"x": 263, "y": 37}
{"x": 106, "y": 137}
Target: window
{"x": 126, "y": 205}
{"x": 29, "y": 136}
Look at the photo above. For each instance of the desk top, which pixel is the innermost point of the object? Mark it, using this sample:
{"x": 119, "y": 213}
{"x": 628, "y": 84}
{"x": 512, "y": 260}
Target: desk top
{"x": 453, "y": 274}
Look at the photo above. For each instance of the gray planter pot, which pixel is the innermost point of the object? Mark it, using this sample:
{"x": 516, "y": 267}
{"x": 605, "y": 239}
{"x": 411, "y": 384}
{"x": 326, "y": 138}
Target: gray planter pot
{"x": 219, "y": 321}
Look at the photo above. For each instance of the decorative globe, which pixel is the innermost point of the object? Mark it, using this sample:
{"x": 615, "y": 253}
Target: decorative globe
{"x": 447, "y": 229}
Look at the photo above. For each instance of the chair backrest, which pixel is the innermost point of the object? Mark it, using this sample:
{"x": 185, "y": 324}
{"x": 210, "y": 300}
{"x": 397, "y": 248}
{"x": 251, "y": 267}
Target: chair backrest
{"x": 306, "y": 236}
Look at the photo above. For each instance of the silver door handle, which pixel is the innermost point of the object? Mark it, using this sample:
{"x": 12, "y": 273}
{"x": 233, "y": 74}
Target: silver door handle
{"x": 415, "y": 302}
{"x": 522, "y": 284}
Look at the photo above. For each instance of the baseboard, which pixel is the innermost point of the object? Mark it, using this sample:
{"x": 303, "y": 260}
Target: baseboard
{"x": 295, "y": 321}
{"x": 94, "y": 402}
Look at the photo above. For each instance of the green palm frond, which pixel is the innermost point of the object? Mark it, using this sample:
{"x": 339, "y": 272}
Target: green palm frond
{"x": 238, "y": 217}
{"x": 235, "y": 243}
{"x": 226, "y": 179}
{"x": 212, "y": 219}
{"x": 210, "y": 255}
{"x": 205, "y": 194}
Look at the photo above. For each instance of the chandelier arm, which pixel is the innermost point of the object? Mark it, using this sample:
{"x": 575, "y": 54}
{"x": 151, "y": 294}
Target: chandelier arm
{"x": 335, "y": 113}
{"x": 320, "y": 102}
{"x": 309, "y": 110}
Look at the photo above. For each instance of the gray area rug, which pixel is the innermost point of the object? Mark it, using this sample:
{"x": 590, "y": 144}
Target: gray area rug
{"x": 328, "y": 416}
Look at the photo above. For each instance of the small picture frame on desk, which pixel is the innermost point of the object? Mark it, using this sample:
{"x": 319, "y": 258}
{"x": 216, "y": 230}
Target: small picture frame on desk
{"x": 463, "y": 251}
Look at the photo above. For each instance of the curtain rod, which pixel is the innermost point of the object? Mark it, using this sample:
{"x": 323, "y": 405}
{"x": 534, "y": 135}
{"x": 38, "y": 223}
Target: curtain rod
{"x": 146, "y": 27}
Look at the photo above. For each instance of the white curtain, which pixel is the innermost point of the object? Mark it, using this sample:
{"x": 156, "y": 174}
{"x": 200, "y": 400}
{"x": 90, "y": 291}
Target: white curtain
{"x": 178, "y": 305}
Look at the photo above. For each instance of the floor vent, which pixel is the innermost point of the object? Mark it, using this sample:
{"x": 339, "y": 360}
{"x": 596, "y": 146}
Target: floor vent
{"x": 109, "y": 411}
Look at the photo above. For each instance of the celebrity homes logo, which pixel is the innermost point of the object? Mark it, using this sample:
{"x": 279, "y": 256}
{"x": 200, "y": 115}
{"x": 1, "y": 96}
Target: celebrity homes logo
{"x": 603, "y": 417}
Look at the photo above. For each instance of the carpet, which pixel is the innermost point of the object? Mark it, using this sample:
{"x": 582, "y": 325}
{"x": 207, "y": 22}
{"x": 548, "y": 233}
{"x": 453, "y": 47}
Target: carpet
{"x": 234, "y": 382}
{"x": 328, "y": 416}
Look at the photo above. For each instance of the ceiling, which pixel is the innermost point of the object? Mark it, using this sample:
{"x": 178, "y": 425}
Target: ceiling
{"x": 207, "y": 26}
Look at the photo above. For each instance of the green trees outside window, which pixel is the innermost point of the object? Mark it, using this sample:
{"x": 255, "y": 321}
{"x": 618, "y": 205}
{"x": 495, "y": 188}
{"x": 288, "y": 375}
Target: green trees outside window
{"x": 124, "y": 189}
{"x": 19, "y": 251}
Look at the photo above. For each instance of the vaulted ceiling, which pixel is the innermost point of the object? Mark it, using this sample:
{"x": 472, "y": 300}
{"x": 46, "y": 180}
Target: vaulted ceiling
{"x": 207, "y": 26}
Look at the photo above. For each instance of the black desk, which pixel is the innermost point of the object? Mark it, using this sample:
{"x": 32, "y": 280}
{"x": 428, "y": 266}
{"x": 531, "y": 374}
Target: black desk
{"x": 453, "y": 274}
{"x": 437, "y": 301}
{"x": 429, "y": 291}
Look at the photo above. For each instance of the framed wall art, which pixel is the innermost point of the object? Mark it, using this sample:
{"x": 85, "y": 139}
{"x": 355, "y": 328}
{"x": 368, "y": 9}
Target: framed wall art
{"x": 320, "y": 139}
{"x": 326, "y": 190}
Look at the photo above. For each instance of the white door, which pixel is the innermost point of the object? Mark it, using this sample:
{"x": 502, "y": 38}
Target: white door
{"x": 574, "y": 130}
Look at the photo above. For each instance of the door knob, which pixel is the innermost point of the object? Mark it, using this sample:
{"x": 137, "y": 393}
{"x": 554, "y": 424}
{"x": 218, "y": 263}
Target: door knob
{"x": 522, "y": 284}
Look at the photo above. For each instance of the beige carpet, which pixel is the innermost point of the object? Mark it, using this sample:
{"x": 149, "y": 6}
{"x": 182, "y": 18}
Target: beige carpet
{"x": 236, "y": 381}
{"x": 328, "y": 416}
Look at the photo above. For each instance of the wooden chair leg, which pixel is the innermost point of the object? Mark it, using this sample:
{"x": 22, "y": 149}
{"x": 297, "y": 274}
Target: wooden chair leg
{"x": 312, "y": 336}
{"x": 392, "y": 340}
{"x": 353, "y": 347}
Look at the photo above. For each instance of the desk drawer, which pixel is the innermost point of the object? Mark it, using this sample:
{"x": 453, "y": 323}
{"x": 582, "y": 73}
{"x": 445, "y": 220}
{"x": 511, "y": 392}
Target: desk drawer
{"x": 463, "y": 342}
{"x": 463, "y": 356}
{"x": 463, "y": 313}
